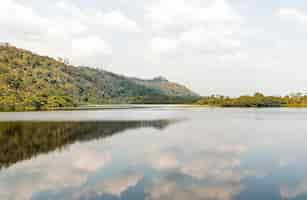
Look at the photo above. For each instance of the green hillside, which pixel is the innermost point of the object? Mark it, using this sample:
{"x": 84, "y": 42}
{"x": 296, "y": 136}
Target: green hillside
{"x": 32, "y": 82}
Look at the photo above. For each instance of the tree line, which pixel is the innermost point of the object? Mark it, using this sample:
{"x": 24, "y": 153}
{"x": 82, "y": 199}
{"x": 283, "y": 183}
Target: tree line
{"x": 256, "y": 100}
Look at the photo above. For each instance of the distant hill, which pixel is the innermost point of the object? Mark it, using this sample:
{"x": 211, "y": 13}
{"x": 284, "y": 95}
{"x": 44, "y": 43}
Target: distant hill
{"x": 32, "y": 82}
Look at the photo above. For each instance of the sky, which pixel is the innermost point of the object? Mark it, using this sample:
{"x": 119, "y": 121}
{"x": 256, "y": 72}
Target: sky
{"x": 229, "y": 47}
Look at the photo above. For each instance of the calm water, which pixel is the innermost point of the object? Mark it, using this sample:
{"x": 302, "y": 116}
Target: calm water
{"x": 154, "y": 154}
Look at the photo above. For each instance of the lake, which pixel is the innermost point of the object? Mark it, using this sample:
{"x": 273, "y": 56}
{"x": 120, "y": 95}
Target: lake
{"x": 154, "y": 153}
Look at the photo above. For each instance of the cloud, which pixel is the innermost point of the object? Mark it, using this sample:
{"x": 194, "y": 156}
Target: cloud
{"x": 114, "y": 186}
{"x": 17, "y": 19}
{"x": 168, "y": 14}
{"x": 72, "y": 32}
{"x": 117, "y": 21}
{"x": 218, "y": 169}
{"x": 164, "y": 161}
{"x": 117, "y": 186}
{"x": 53, "y": 172}
{"x": 292, "y": 192}
{"x": 194, "y": 25}
{"x": 89, "y": 46}
{"x": 114, "y": 20}
{"x": 163, "y": 45}
{"x": 168, "y": 188}
{"x": 293, "y": 14}
{"x": 219, "y": 163}
{"x": 92, "y": 161}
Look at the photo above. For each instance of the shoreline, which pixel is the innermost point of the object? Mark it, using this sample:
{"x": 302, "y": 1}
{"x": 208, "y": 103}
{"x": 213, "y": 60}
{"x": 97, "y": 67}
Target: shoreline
{"x": 144, "y": 106}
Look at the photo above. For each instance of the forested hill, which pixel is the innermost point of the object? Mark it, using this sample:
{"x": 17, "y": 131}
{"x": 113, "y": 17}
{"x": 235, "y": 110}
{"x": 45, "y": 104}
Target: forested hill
{"x": 32, "y": 82}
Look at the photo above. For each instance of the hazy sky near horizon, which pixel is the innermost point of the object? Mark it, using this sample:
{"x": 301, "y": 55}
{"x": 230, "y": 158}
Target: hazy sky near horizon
{"x": 229, "y": 47}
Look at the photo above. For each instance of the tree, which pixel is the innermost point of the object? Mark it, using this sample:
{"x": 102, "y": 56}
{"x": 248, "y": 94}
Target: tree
{"x": 14, "y": 82}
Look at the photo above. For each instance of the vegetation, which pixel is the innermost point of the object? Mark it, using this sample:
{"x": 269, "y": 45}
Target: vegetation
{"x": 257, "y": 100}
{"x": 32, "y": 82}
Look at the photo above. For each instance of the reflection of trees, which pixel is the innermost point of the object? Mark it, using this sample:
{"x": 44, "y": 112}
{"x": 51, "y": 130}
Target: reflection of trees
{"x": 23, "y": 140}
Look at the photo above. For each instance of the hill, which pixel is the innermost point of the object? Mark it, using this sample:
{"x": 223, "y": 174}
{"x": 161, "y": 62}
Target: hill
{"x": 32, "y": 82}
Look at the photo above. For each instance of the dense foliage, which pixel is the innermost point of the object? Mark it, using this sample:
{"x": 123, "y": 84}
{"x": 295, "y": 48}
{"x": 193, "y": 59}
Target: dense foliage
{"x": 257, "y": 100}
{"x": 32, "y": 82}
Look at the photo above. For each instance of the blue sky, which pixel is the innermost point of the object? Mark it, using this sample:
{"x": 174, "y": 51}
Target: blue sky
{"x": 227, "y": 47}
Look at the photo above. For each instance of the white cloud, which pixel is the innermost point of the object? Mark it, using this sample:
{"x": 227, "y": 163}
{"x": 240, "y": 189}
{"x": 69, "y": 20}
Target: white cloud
{"x": 92, "y": 161}
{"x": 52, "y": 172}
{"x": 163, "y": 45}
{"x": 292, "y": 13}
{"x": 168, "y": 188}
{"x": 211, "y": 39}
{"x": 220, "y": 162}
{"x": 164, "y": 161}
{"x": 116, "y": 20}
{"x": 114, "y": 186}
{"x": 194, "y": 25}
{"x": 236, "y": 57}
{"x": 219, "y": 169}
{"x": 73, "y": 32}
{"x": 113, "y": 20}
{"x": 172, "y": 13}
{"x": 89, "y": 46}
{"x": 15, "y": 18}
{"x": 117, "y": 186}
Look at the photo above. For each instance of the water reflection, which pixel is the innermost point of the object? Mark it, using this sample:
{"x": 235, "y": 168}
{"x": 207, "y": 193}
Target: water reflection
{"x": 23, "y": 140}
{"x": 214, "y": 155}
